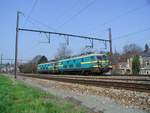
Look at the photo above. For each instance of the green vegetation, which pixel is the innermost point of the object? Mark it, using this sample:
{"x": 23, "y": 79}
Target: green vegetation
{"x": 16, "y": 97}
{"x": 136, "y": 65}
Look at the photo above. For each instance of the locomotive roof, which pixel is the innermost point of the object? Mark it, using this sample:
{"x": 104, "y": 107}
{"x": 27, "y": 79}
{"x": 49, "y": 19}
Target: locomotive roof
{"x": 74, "y": 57}
{"x": 82, "y": 56}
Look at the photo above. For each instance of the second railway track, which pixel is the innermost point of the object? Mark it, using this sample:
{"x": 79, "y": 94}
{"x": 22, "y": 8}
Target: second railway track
{"x": 142, "y": 85}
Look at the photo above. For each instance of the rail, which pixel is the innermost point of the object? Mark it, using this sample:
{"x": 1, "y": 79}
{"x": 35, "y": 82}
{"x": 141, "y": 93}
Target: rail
{"x": 115, "y": 83}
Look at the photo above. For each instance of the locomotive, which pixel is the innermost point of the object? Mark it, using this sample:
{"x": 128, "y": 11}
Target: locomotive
{"x": 84, "y": 64}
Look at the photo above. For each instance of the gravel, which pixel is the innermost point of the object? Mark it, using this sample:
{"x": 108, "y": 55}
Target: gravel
{"x": 106, "y": 100}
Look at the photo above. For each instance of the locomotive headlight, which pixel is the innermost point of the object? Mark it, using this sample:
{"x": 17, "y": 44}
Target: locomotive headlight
{"x": 110, "y": 66}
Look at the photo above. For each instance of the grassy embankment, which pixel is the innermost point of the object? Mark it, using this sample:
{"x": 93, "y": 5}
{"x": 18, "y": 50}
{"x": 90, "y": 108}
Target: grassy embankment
{"x": 16, "y": 97}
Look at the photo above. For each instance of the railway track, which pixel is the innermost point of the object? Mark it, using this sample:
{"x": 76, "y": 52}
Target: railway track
{"x": 136, "y": 84}
{"x": 124, "y": 78}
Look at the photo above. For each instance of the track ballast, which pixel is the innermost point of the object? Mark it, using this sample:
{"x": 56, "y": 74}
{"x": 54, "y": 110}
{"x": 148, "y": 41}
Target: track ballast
{"x": 135, "y": 84}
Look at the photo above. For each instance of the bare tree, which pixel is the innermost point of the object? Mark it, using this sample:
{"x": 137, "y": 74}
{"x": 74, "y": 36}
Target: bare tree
{"x": 131, "y": 50}
{"x": 63, "y": 52}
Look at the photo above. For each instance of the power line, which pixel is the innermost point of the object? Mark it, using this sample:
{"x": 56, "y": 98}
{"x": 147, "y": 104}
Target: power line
{"x": 122, "y": 15}
{"x": 101, "y": 31}
{"x": 78, "y": 13}
{"x": 70, "y": 8}
{"x": 12, "y": 59}
{"x": 42, "y": 24}
{"x": 45, "y": 25}
{"x": 34, "y": 21}
{"x": 132, "y": 33}
{"x": 29, "y": 14}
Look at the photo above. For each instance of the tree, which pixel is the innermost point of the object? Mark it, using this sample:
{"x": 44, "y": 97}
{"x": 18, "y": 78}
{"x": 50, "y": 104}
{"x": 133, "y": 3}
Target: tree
{"x": 36, "y": 59}
{"x": 26, "y": 68}
{"x": 136, "y": 65}
{"x": 146, "y": 48}
{"x": 43, "y": 59}
{"x": 63, "y": 52}
{"x": 31, "y": 66}
{"x": 131, "y": 50}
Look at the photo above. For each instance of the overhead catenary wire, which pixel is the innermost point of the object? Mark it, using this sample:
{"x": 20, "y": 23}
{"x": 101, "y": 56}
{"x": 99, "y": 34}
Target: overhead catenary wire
{"x": 101, "y": 31}
{"x": 42, "y": 24}
{"x": 69, "y": 9}
{"x": 132, "y": 33}
{"x": 34, "y": 24}
{"x": 7, "y": 59}
{"x": 37, "y": 24}
{"x": 121, "y": 15}
{"x": 78, "y": 13}
{"x": 31, "y": 11}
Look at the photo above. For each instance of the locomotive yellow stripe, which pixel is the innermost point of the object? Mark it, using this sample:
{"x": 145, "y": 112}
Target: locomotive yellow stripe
{"x": 96, "y": 66}
{"x": 89, "y": 62}
{"x": 95, "y": 61}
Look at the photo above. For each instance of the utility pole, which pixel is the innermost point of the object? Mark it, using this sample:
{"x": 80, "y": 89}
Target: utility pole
{"x": 16, "y": 45}
{"x": 110, "y": 44}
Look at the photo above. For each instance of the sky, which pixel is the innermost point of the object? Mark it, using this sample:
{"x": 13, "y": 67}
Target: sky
{"x": 129, "y": 21}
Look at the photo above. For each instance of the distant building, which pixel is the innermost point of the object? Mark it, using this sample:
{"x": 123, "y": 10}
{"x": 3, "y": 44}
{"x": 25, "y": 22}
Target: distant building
{"x": 8, "y": 68}
{"x": 145, "y": 62}
{"x": 144, "y": 58}
{"x": 124, "y": 68}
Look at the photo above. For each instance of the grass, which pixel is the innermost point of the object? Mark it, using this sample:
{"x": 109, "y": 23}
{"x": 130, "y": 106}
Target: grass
{"x": 16, "y": 97}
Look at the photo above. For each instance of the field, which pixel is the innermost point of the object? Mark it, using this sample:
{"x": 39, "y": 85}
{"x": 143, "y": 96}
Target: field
{"x": 16, "y": 97}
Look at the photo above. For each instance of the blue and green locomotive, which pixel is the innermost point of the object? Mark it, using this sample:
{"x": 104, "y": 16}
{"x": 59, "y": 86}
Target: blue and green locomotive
{"x": 90, "y": 63}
